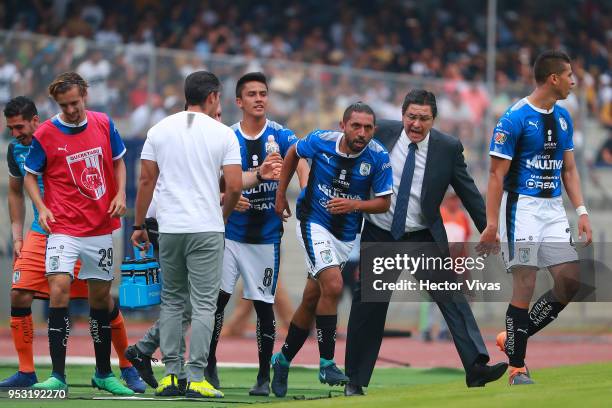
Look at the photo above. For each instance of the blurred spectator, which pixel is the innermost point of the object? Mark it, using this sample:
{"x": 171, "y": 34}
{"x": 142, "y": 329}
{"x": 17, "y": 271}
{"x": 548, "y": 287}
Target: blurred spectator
{"x": 108, "y": 34}
{"x": 604, "y": 157}
{"x": 9, "y": 77}
{"x": 140, "y": 94}
{"x": 605, "y": 113}
{"x": 96, "y": 70}
{"x": 146, "y": 115}
{"x": 92, "y": 14}
{"x": 453, "y": 112}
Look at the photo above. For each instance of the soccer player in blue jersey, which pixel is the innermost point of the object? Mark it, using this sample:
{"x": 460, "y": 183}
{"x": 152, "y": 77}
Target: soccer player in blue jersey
{"x": 531, "y": 156}
{"x": 350, "y": 174}
{"x": 252, "y": 237}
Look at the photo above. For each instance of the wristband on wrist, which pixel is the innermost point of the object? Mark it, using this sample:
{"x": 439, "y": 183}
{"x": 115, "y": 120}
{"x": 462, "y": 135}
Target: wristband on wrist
{"x": 138, "y": 227}
{"x": 581, "y": 210}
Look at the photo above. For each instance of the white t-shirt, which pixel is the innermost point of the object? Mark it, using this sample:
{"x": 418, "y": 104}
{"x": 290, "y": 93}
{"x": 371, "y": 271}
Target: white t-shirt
{"x": 190, "y": 148}
{"x": 8, "y": 76}
{"x": 96, "y": 76}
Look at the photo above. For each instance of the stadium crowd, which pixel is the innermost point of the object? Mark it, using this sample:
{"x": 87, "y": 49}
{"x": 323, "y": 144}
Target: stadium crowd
{"x": 442, "y": 40}
{"x": 441, "y": 44}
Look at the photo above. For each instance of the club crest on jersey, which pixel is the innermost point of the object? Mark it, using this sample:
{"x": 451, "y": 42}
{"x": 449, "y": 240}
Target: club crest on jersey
{"x": 500, "y": 138}
{"x": 524, "y": 254}
{"x": 88, "y": 173}
{"x": 563, "y": 123}
{"x": 16, "y": 275}
{"x": 364, "y": 169}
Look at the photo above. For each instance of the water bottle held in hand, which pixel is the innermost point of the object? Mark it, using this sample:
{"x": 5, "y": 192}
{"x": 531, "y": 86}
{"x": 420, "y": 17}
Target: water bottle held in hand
{"x": 271, "y": 146}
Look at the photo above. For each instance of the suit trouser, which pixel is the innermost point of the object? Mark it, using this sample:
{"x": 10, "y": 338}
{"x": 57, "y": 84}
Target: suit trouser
{"x": 191, "y": 263}
{"x": 367, "y": 322}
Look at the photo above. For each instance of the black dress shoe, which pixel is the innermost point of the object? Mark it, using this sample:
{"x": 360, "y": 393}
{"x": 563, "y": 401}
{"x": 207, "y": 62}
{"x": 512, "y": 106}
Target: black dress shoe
{"x": 351, "y": 390}
{"x": 481, "y": 374}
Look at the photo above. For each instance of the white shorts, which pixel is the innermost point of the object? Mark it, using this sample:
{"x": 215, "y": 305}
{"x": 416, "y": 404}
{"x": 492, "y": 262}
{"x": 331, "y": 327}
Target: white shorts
{"x": 96, "y": 254}
{"x": 534, "y": 231}
{"x": 321, "y": 248}
{"x": 258, "y": 265}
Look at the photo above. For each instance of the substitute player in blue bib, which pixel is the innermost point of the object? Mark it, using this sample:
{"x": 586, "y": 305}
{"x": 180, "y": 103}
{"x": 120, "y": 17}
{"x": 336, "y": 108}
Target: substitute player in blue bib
{"x": 350, "y": 174}
{"x": 252, "y": 237}
{"x": 531, "y": 157}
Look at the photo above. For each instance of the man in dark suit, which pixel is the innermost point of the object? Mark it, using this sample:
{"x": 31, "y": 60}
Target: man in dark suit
{"x": 424, "y": 162}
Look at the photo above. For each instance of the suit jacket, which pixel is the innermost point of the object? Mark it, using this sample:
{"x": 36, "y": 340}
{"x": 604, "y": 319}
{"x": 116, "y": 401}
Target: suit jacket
{"x": 445, "y": 166}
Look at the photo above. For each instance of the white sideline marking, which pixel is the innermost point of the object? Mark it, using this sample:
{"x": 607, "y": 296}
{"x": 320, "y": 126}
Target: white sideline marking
{"x": 72, "y": 360}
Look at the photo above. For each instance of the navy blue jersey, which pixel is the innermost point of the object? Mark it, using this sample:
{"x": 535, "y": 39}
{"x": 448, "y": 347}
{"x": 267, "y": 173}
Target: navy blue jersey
{"x": 15, "y": 157}
{"x": 259, "y": 224}
{"x": 535, "y": 141}
{"x": 335, "y": 174}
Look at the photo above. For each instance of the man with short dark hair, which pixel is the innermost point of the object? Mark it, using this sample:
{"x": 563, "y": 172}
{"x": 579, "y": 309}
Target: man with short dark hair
{"x": 414, "y": 216}
{"x": 187, "y": 151}
{"x": 252, "y": 237}
{"x": 531, "y": 156}
{"x": 140, "y": 353}
{"x": 350, "y": 175}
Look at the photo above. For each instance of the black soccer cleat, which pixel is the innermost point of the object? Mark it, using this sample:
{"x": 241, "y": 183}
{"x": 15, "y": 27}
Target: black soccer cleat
{"x": 142, "y": 363}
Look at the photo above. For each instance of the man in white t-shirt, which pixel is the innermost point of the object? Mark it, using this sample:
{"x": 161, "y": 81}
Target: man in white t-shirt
{"x": 187, "y": 151}
{"x": 9, "y": 76}
{"x": 96, "y": 70}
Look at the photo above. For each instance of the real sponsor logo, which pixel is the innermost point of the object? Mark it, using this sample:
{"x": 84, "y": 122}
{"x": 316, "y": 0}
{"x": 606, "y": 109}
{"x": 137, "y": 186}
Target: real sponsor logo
{"x": 332, "y": 192}
{"x": 265, "y": 187}
{"x": 540, "y": 163}
{"x": 545, "y": 185}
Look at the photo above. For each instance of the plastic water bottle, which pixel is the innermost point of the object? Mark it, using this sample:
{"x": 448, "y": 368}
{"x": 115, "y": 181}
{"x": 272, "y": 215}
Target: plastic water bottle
{"x": 271, "y": 146}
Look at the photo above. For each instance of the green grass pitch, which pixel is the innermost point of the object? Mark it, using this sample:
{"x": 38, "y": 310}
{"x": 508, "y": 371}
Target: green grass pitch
{"x": 579, "y": 386}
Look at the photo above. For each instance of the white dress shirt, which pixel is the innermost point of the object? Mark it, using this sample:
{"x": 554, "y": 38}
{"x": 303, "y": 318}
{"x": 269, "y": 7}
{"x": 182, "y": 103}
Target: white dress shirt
{"x": 398, "y": 156}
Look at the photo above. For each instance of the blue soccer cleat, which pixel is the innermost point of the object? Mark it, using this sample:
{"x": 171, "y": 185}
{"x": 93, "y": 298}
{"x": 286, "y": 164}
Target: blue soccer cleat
{"x": 133, "y": 380}
{"x": 19, "y": 380}
{"x": 280, "y": 367}
{"x": 329, "y": 373}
